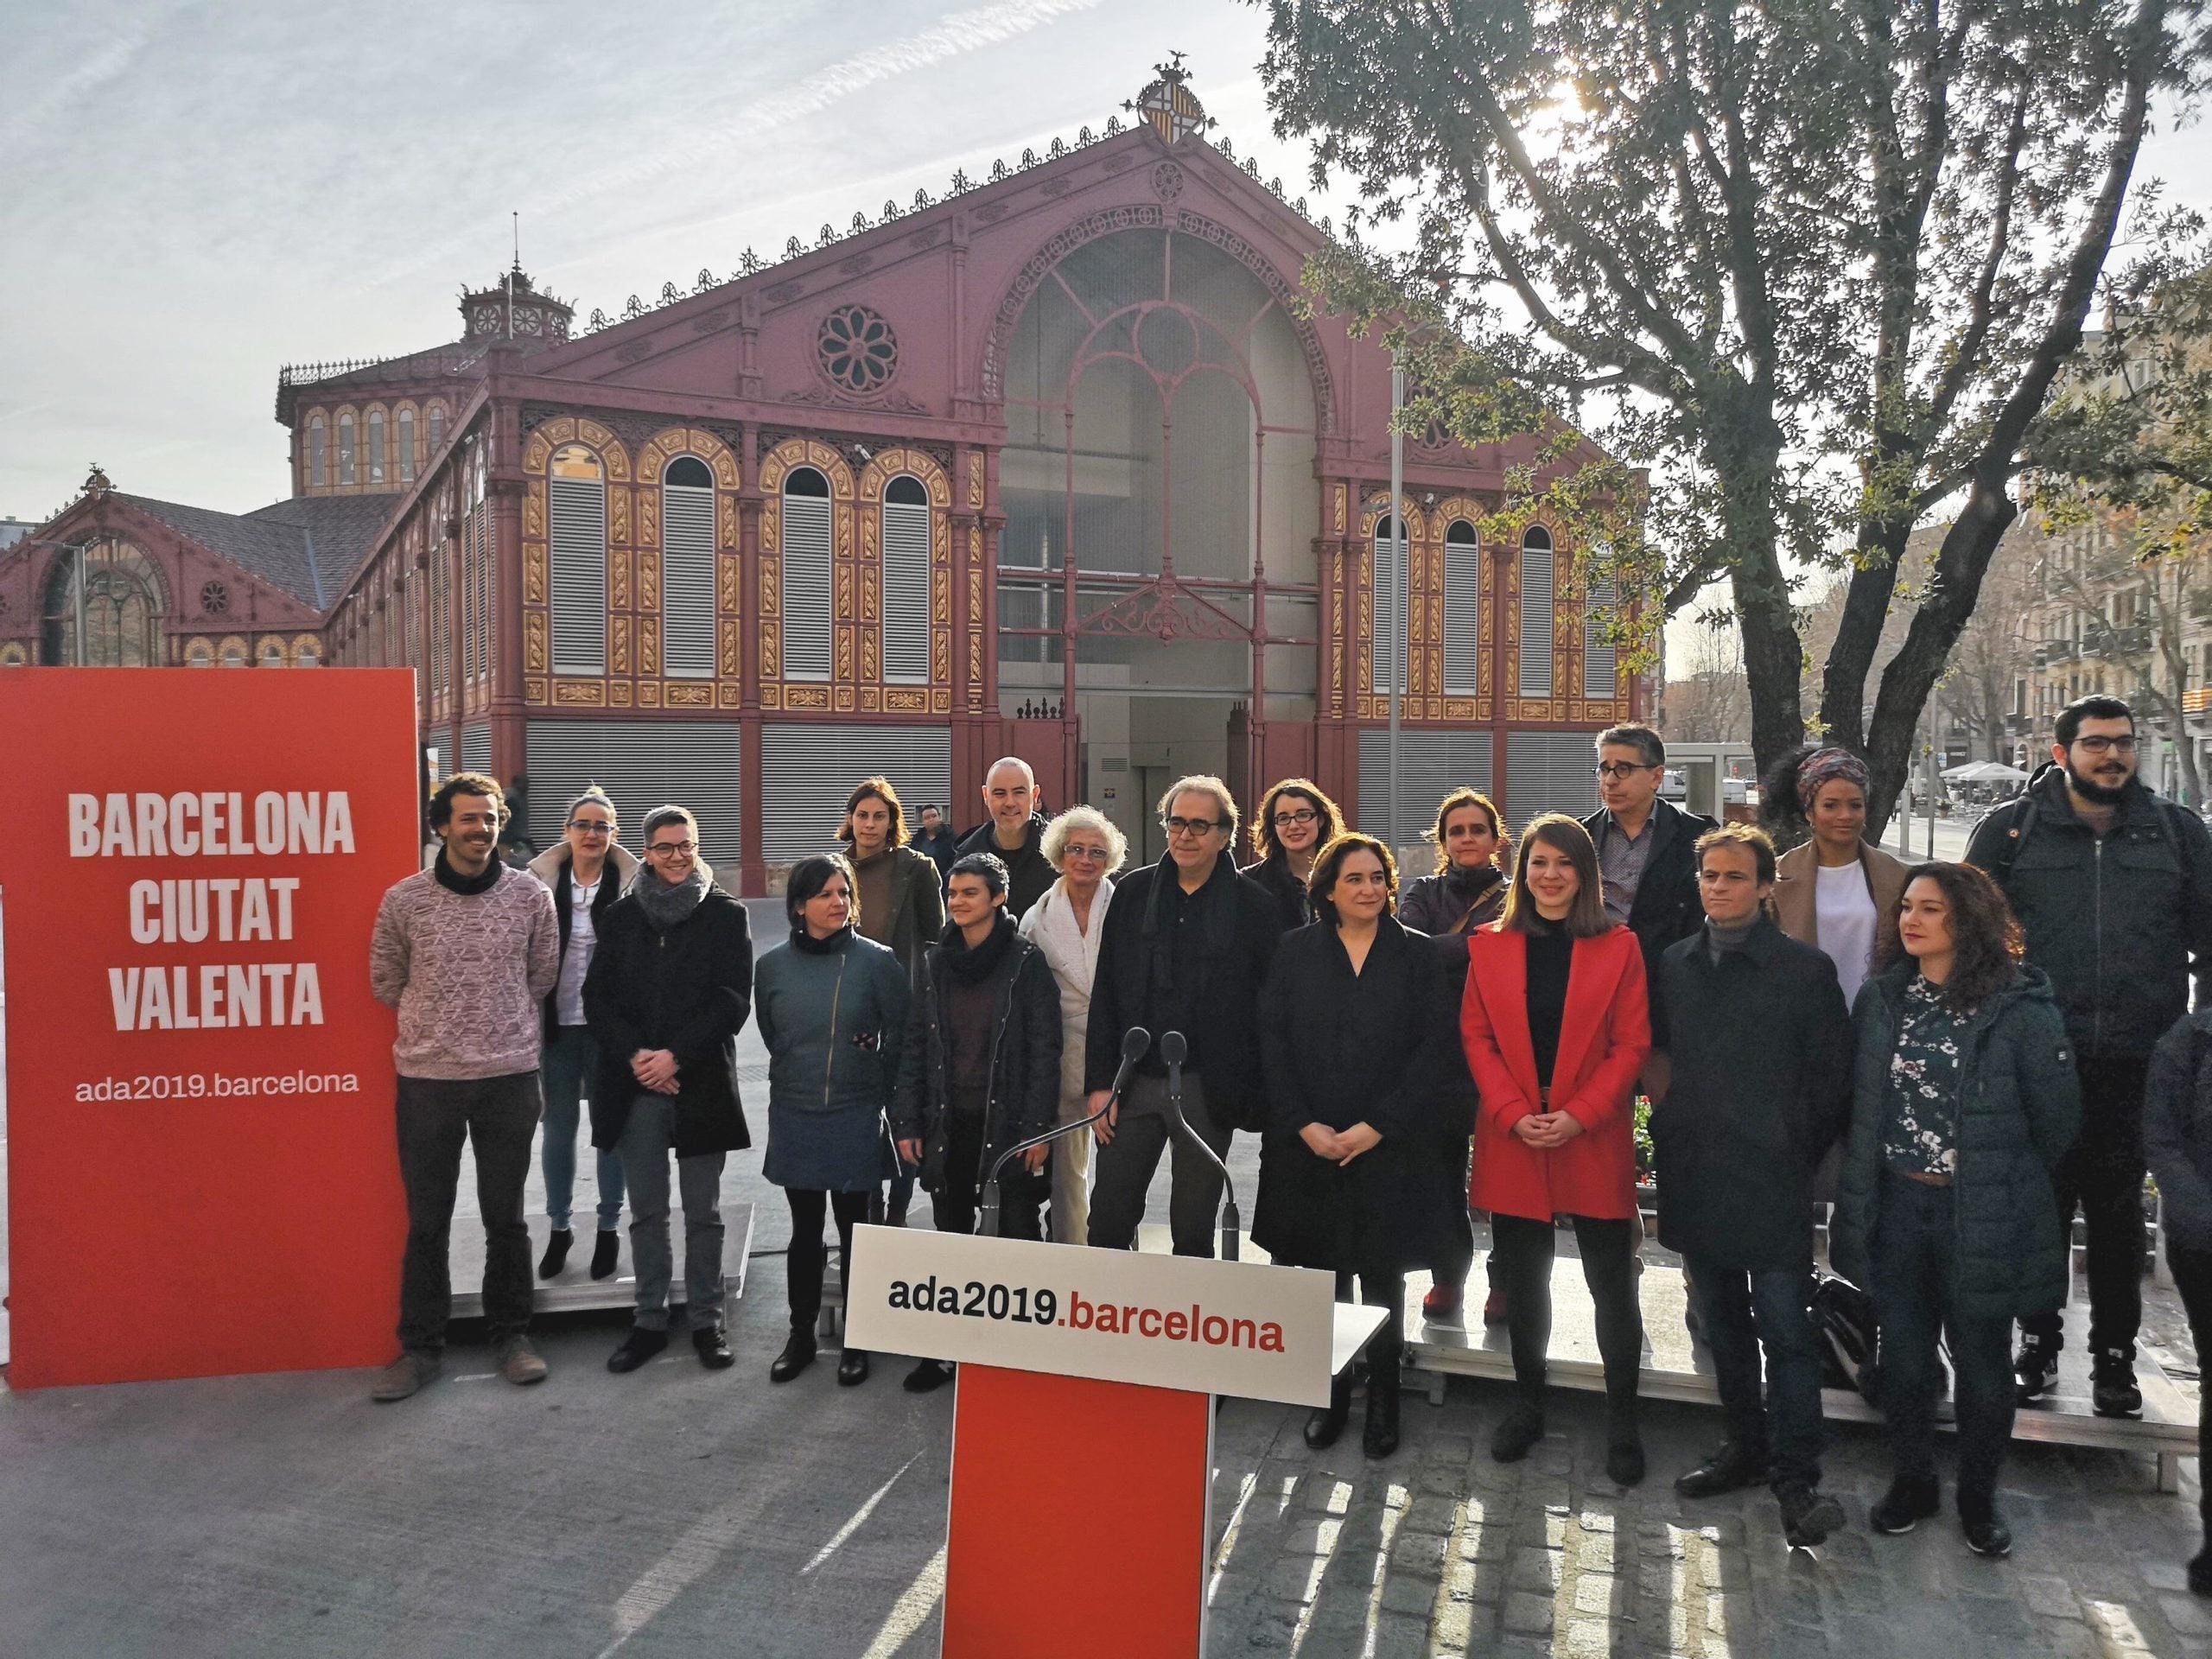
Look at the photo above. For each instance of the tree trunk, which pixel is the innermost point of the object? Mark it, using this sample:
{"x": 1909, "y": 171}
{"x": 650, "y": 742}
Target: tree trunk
{"x": 1743, "y": 445}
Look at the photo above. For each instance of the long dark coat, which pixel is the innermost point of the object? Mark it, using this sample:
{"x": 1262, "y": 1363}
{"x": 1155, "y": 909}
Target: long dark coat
{"x": 688, "y": 989}
{"x": 1342, "y": 1048}
{"x": 1025, "y": 1098}
{"x": 1760, "y": 1044}
{"x": 833, "y": 1013}
{"x": 2019, "y": 1110}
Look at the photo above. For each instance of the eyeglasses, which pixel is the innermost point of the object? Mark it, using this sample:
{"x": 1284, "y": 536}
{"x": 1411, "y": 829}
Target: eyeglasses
{"x": 681, "y": 847}
{"x": 591, "y": 826}
{"x": 1192, "y": 826}
{"x": 2106, "y": 745}
{"x": 1097, "y": 852}
{"x": 1284, "y": 820}
{"x": 1621, "y": 769}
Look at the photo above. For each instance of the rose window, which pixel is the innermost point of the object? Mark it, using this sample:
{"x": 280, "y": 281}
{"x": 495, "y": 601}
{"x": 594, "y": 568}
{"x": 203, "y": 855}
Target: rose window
{"x": 214, "y": 598}
{"x": 857, "y": 350}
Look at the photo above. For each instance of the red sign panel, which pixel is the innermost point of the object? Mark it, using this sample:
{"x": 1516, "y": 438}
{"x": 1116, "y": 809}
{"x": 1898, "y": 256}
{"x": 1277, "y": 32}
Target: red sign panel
{"x": 202, "y": 1172}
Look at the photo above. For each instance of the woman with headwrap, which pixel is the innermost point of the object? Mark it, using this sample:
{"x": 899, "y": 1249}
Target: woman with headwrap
{"x": 1836, "y": 890}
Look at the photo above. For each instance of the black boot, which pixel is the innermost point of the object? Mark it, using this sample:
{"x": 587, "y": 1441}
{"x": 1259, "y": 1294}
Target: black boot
{"x": 1517, "y": 1434}
{"x": 557, "y": 1251}
{"x": 1380, "y": 1437}
{"x": 1911, "y": 1499}
{"x": 2113, "y": 1390}
{"x": 606, "y": 1251}
{"x": 798, "y": 1354}
{"x": 1322, "y": 1426}
{"x": 1736, "y": 1464}
{"x": 1624, "y": 1445}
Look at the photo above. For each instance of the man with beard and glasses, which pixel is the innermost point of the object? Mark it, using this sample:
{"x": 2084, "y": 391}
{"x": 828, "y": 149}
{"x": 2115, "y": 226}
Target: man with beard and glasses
{"x": 2113, "y": 889}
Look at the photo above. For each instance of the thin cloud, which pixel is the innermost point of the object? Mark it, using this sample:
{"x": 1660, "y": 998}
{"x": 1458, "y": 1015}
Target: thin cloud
{"x": 62, "y": 97}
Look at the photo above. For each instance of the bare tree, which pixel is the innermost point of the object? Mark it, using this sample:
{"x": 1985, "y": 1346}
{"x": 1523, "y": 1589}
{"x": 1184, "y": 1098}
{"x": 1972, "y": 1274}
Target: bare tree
{"x": 1710, "y": 701}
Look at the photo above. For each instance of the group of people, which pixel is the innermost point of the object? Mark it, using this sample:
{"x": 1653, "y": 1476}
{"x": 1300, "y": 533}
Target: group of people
{"x": 1956, "y": 1055}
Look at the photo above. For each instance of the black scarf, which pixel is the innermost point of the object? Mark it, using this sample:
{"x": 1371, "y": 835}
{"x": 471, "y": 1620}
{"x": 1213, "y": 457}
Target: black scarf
{"x": 667, "y": 904}
{"x": 1217, "y": 919}
{"x": 971, "y": 965}
{"x": 803, "y": 940}
{"x": 454, "y": 882}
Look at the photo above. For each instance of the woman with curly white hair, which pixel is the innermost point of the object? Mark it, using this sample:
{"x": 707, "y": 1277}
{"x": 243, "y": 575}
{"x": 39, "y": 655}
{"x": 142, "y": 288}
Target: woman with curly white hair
{"x": 1066, "y": 923}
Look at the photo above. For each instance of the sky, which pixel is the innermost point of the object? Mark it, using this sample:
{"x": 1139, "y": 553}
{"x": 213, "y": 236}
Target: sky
{"x": 199, "y": 193}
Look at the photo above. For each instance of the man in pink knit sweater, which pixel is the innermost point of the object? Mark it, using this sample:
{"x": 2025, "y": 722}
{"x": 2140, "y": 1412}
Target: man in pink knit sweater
{"x": 466, "y": 951}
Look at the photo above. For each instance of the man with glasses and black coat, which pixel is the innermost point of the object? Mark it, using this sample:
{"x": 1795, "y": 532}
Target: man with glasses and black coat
{"x": 1646, "y": 846}
{"x": 2112, "y": 886}
{"x": 1186, "y": 947}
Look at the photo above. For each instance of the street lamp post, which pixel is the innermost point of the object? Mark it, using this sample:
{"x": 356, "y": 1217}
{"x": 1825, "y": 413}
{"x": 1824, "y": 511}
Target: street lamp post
{"x": 1399, "y": 583}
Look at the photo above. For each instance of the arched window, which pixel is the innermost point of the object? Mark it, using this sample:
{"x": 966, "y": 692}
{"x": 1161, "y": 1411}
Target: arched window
{"x": 376, "y": 455}
{"x": 200, "y": 653}
{"x": 907, "y": 581}
{"x": 272, "y": 654}
{"x": 1600, "y": 662}
{"x": 405, "y": 423}
{"x": 232, "y": 654}
{"x": 577, "y": 501}
{"x": 307, "y": 652}
{"x": 121, "y": 619}
{"x": 1387, "y": 664}
{"x": 1463, "y": 601}
{"x": 687, "y": 570}
{"x": 806, "y": 576}
{"x": 1537, "y": 577}
{"x": 345, "y": 450}
{"x": 318, "y": 452}
{"x": 437, "y": 426}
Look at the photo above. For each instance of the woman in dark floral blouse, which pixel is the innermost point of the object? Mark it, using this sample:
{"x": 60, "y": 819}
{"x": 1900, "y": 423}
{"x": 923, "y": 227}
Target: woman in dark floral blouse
{"x": 1965, "y": 1098}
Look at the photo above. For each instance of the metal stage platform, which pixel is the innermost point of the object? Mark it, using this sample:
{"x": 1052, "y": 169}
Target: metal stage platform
{"x": 574, "y": 1290}
{"x": 1675, "y": 1368}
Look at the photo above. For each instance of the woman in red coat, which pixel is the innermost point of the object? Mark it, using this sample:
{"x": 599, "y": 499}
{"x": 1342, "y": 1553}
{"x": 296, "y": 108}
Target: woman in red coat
{"x": 1555, "y": 1027}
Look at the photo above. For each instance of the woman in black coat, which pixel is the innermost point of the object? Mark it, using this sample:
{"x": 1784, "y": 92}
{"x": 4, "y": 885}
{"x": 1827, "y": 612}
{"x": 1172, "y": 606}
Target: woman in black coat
{"x": 1294, "y": 822}
{"x": 669, "y": 987}
{"x": 982, "y": 1066}
{"x": 1354, "y": 1028}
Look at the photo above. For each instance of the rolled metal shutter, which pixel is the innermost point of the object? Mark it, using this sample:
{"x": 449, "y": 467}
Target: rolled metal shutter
{"x": 1600, "y": 663}
{"x": 476, "y": 749}
{"x": 687, "y": 582}
{"x": 1536, "y": 584}
{"x": 1550, "y": 772}
{"x": 641, "y": 764}
{"x": 1431, "y": 765}
{"x": 905, "y": 594}
{"x": 806, "y": 771}
{"x": 806, "y": 588}
{"x": 579, "y": 559}
{"x": 1463, "y": 603}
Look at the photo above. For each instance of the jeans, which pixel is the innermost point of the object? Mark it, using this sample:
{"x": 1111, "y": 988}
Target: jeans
{"x": 1021, "y": 1195}
{"x": 646, "y": 1140}
{"x": 1524, "y": 1250}
{"x": 1914, "y": 1252}
{"x": 1127, "y": 1162}
{"x": 1739, "y": 1314}
{"x": 436, "y": 1115}
{"x": 2102, "y": 1175}
{"x": 802, "y": 1266}
{"x": 571, "y": 1063}
{"x": 2193, "y": 1279}
{"x": 1072, "y": 1176}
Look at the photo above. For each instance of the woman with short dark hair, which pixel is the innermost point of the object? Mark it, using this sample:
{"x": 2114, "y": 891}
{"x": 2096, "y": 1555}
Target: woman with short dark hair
{"x": 1556, "y": 1026}
{"x": 1354, "y": 1026}
{"x": 1294, "y": 822}
{"x": 832, "y": 1008}
{"x": 1964, "y": 1099}
{"x": 981, "y": 1071}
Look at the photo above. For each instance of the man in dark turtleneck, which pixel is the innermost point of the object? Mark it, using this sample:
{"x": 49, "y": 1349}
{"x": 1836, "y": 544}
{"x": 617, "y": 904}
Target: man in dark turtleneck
{"x": 1756, "y": 1045}
{"x": 467, "y": 951}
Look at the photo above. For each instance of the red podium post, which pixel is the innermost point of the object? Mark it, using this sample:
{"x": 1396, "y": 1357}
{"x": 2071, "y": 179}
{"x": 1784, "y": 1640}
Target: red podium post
{"x": 1130, "y": 1349}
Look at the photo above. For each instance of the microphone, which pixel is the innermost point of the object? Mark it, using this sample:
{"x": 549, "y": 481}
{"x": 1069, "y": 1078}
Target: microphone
{"x": 1134, "y": 1042}
{"x": 1174, "y": 1049}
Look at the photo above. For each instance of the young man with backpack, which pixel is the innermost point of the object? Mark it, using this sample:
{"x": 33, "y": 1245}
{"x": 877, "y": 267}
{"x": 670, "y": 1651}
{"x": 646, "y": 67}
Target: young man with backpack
{"x": 2112, "y": 885}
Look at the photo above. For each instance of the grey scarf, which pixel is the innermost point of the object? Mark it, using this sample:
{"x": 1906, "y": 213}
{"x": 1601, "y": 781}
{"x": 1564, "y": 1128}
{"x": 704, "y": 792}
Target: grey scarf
{"x": 664, "y": 904}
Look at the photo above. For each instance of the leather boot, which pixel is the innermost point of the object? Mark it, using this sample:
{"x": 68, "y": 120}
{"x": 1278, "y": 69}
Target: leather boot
{"x": 1323, "y": 1426}
{"x": 1380, "y": 1437}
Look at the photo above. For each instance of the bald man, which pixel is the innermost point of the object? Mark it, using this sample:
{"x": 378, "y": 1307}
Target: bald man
{"x": 1013, "y": 833}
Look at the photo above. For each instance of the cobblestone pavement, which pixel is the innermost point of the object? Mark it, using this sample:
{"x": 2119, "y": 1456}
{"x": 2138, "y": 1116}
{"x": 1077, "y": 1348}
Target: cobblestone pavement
{"x": 1439, "y": 1550}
